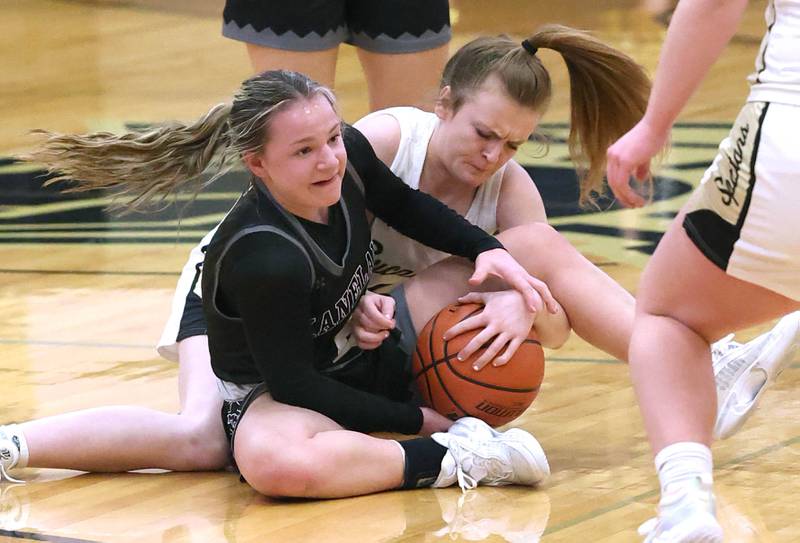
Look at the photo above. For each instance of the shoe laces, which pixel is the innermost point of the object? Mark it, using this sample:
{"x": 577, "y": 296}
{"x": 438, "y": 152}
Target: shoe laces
{"x": 474, "y": 465}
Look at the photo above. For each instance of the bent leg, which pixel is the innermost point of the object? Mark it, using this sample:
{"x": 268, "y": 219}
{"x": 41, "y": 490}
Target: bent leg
{"x": 289, "y": 451}
{"x": 598, "y": 308}
{"x": 684, "y": 302}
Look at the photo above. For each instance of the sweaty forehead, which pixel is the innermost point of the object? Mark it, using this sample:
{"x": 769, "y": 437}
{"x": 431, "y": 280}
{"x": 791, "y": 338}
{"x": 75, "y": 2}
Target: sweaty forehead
{"x": 305, "y": 116}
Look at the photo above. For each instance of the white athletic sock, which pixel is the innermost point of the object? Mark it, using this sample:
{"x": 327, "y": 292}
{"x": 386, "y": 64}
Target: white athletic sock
{"x": 682, "y": 463}
{"x": 14, "y": 433}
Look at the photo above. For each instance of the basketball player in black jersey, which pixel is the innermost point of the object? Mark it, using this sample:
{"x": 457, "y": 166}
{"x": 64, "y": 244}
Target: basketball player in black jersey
{"x": 282, "y": 276}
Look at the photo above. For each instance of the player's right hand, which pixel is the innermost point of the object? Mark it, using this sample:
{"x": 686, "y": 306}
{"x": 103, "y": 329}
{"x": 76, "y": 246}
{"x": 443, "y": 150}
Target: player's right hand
{"x": 629, "y": 157}
{"x": 504, "y": 323}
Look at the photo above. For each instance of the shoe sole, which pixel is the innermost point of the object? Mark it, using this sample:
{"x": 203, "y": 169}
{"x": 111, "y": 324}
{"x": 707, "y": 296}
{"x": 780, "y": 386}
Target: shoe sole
{"x": 723, "y": 428}
{"x": 705, "y": 529}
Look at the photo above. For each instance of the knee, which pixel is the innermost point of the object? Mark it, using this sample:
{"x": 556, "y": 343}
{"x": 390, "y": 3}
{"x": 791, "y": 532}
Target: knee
{"x": 280, "y": 473}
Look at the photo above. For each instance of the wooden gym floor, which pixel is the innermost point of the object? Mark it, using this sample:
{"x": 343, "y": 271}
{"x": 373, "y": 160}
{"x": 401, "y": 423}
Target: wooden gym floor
{"x": 83, "y": 297}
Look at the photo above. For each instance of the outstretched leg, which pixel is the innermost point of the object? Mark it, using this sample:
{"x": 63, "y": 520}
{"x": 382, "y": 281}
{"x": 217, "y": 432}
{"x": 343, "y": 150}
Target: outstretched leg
{"x": 123, "y": 438}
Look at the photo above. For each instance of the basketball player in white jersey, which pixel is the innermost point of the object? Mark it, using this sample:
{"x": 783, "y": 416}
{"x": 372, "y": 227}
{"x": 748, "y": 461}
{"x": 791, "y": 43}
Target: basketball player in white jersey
{"x": 731, "y": 259}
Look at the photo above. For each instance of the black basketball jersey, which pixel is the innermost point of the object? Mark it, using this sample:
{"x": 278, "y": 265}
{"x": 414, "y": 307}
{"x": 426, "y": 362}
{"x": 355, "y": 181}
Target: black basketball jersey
{"x": 277, "y": 288}
{"x": 336, "y": 284}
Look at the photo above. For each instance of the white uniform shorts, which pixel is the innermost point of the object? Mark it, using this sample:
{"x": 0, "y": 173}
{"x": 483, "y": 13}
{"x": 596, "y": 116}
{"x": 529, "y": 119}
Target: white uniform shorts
{"x": 186, "y": 317}
{"x": 745, "y": 215}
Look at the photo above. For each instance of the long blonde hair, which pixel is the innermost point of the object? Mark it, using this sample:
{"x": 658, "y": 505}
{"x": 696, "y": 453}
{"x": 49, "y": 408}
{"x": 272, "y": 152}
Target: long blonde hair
{"x": 146, "y": 167}
{"x": 608, "y": 89}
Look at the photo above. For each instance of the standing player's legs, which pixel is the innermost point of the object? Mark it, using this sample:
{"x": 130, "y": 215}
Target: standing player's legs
{"x": 402, "y": 46}
{"x": 318, "y": 65}
{"x": 730, "y": 260}
{"x": 409, "y": 79}
{"x": 684, "y": 301}
{"x": 299, "y": 36}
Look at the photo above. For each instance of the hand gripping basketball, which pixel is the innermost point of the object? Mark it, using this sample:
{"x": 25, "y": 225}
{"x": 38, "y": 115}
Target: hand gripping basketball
{"x": 495, "y": 394}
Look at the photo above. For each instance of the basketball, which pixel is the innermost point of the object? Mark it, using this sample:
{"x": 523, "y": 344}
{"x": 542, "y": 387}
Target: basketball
{"x": 496, "y": 395}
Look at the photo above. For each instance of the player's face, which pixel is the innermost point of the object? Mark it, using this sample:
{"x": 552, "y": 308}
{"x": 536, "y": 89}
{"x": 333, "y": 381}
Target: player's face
{"x": 484, "y": 133}
{"x": 304, "y": 159}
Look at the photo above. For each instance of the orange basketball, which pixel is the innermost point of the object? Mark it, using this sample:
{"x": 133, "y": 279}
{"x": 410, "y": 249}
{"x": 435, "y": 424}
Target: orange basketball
{"x": 496, "y": 395}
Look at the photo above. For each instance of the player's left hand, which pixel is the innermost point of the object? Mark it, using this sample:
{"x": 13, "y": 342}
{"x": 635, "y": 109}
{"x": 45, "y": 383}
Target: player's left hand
{"x": 505, "y": 321}
{"x": 499, "y": 263}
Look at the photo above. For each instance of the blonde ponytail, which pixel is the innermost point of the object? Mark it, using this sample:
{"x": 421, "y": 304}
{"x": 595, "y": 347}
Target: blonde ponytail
{"x": 147, "y": 167}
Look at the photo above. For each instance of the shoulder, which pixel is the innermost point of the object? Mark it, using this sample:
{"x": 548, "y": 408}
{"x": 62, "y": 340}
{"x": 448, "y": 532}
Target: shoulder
{"x": 267, "y": 257}
{"x": 519, "y": 201}
{"x": 382, "y": 129}
{"x": 360, "y": 153}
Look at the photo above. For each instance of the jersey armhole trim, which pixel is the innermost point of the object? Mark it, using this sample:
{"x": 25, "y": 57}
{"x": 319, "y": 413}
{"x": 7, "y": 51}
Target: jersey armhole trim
{"x": 237, "y": 237}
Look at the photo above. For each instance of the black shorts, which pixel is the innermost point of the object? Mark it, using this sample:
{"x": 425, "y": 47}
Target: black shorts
{"x": 385, "y": 371}
{"x": 379, "y": 26}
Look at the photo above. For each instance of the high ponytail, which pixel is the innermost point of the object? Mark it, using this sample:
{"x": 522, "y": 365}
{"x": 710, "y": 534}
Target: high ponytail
{"x": 608, "y": 89}
{"x": 608, "y": 96}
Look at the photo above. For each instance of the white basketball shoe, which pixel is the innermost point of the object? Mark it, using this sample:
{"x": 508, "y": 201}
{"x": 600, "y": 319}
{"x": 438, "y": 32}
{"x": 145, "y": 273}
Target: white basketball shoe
{"x": 686, "y": 516}
{"x": 9, "y": 456}
{"x": 478, "y": 454}
{"x": 743, "y": 371}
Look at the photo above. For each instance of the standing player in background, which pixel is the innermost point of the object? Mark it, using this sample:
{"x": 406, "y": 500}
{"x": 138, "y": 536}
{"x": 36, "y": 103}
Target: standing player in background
{"x": 402, "y": 44}
{"x": 731, "y": 259}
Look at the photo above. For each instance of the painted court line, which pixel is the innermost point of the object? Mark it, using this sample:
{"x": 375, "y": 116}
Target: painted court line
{"x": 32, "y": 536}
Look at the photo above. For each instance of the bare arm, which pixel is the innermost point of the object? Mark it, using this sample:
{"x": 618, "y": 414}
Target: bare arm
{"x": 519, "y": 202}
{"x": 383, "y": 133}
{"x": 689, "y": 51}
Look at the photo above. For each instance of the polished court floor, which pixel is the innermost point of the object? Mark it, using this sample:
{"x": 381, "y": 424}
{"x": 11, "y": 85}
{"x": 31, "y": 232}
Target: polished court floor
{"x": 83, "y": 296}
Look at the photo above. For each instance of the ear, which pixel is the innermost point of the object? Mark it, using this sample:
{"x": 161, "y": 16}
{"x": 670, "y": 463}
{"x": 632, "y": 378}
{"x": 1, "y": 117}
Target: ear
{"x": 256, "y": 163}
{"x": 444, "y": 104}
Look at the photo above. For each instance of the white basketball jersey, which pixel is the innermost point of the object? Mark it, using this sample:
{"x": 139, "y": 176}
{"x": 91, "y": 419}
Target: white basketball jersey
{"x": 777, "y": 75}
{"x": 399, "y": 257}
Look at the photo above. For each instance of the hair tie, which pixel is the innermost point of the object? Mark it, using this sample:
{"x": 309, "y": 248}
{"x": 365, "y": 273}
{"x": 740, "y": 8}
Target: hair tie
{"x": 528, "y": 46}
